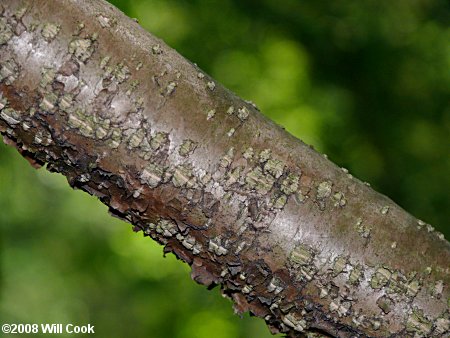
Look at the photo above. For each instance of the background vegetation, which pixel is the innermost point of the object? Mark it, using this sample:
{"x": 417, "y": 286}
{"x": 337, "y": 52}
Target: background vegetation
{"x": 366, "y": 82}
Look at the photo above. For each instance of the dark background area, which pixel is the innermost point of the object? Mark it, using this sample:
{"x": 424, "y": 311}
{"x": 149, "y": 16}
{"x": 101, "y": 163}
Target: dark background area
{"x": 366, "y": 82}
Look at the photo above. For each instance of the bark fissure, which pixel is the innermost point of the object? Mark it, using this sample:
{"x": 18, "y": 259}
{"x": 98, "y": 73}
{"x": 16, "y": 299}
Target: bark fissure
{"x": 288, "y": 235}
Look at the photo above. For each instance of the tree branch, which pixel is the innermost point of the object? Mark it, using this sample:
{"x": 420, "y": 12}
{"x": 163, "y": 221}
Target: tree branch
{"x": 287, "y": 234}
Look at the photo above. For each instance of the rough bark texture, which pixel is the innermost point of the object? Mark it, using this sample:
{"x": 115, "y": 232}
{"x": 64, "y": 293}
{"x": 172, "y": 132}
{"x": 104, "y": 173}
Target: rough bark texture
{"x": 287, "y": 234}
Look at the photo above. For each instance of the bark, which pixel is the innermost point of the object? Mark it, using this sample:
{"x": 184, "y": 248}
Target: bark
{"x": 288, "y": 235}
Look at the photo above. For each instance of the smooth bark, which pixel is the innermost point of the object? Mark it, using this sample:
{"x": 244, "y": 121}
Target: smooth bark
{"x": 287, "y": 234}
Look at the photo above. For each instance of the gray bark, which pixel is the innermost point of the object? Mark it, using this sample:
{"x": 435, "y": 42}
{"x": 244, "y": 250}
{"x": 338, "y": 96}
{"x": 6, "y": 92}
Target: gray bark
{"x": 287, "y": 234}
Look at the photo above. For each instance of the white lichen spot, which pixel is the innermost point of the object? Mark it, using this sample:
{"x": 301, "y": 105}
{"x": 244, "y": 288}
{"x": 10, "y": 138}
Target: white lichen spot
{"x": 243, "y": 113}
{"x": 10, "y": 116}
{"x": 170, "y": 88}
{"x": 384, "y": 210}
{"x": 50, "y": 31}
{"x": 247, "y": 289}
{"x": 231, "y": 132}
{"x": 211, "y": 85}
{"x": 298, "y": 324}
{"x": 393, "y": 245}
{"x": 104, "y": 21}
{"x": 82, "y": 49}
{"x": 430, "y": 228}
{"x": 156, "y": 49}
{"x": 275, "y": 286}
{"x": 324, "y": 190}
{"x": 344, "y": 170}
{"x": 230, "y": 110}
{"x": 43, "y": 137}
{"x": 200, "y": 75}
{"x": 215, "y": 245}
{"x": 211, "y": 113}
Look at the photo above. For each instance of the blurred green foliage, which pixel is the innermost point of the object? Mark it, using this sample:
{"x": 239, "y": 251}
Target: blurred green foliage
{"x": 366, "y": 82}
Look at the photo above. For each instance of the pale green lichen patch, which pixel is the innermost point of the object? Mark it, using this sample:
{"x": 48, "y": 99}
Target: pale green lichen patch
{"x": 211, "y": 85}
{"x": 183, "y": 176}
{"x": 187, "y": 147}
{"x": 159, "y": 140}
{"x": 136, "y": 138}
{"x": 324, "y": 190}
{"x": 417, "y": 322}
{"x": 50, "y": 31}
{"x": 290, "y": 184}
{"x": 380, "y": 278}
{"x": 104, "y": 61}
{"x": 355, "y": 275}
{"x": 274, "y": 167}
{"x": 210, "y": 114}
{"x": 82, "y": 49}
{"x": 65, "y": 102}
{"x": 152, "y": 175}
{"x": 339, "y": 265}
{"x": 83, "y": 122}
{"x": 231, "y": 132}
{"x": 9, "y": 71}
{"x": 339, "y": 200}
{"x": 248, "y": 153}
{"x": 233, "y": 176}
{"x": 121, "y": 72}
{"x": 115, "y": 138}
{"x": 258, "y": 181}
{"x": 243, "y": 113}
{"x": 265, "y": 155}
{"x": 301, "y": 255}
{"x": 279, "y": 202}
{"x": 47, "y": 76}
{"x": 226, "y": 159}
{"x": 363, "y": 229}
{"x": 385, "y": 304}
{"x": 6, "y": 32}
{"x": 48, "y": 102}
{"x": 230, "y": 110}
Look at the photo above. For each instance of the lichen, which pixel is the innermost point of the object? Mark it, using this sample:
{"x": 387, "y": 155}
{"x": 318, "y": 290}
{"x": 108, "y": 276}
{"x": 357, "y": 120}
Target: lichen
{"x": 50, "y": 31}
{"x": 82, "y": 49}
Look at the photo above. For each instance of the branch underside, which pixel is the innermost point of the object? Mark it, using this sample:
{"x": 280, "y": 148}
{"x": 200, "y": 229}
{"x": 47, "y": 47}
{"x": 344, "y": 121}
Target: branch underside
{"x": 288, "y": 235}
